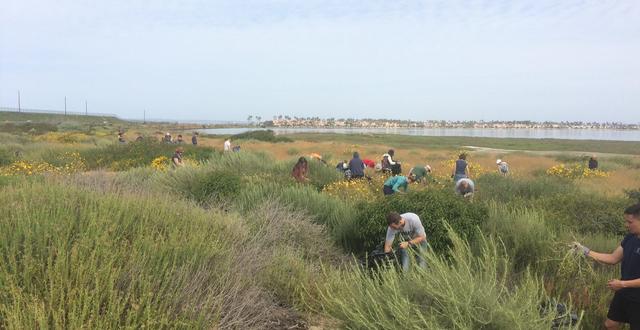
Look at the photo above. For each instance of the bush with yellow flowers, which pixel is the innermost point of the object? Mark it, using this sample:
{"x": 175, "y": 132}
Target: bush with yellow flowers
{"x": 356, "y": 190}
{"x": 576, "y": 171}
{"x": 160, "y": 163}
{"x": 66, "y": 163}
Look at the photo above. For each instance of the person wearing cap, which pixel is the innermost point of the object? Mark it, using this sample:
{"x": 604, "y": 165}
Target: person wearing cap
{"x": 167, "y": 138}
{"x": 503, "y": 167}
{"x": 176, "y": 159}
{"x": 394, "y": 183}
{"x": 420, "y": 173}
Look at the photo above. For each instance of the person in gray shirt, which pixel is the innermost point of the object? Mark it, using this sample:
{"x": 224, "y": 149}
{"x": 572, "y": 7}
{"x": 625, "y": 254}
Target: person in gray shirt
{"x": 465, "y": 188}
{"x": 410, "y": 228}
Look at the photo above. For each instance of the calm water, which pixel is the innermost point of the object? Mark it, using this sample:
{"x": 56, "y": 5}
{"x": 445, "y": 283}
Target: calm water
{"x": 530, "y": 133}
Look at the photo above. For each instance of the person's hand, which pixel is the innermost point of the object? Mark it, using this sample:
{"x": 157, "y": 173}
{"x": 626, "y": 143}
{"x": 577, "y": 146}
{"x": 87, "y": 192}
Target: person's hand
{"x": 579, "y": 248}
{"x": 615, "y": 285}
{"x": 404, "y": 245}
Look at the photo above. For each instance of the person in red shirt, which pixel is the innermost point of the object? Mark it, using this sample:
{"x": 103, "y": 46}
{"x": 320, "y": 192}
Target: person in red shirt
{"x": 369, "y": 163}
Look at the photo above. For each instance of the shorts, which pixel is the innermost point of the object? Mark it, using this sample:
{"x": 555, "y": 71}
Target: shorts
{"x": 624, "y": 310}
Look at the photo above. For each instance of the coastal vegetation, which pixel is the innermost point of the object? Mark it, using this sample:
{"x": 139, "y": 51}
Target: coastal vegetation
{"x": 99, "y": 234}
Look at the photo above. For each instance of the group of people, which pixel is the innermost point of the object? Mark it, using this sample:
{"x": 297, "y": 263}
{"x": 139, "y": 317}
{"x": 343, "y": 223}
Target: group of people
{"x": 178, "y": 140}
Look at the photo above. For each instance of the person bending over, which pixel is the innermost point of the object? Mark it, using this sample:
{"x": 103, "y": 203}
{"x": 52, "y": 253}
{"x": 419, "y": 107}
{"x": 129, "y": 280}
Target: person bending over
{"x": 413, "y": 236}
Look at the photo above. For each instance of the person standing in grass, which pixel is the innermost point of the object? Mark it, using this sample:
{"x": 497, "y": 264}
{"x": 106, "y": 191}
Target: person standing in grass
{"x": 176, "y": 159}
{"x": 461, "y": 168}
{"x": 394, "y": 183}
{"x": 625, "y": 306}
{"x": 194, "y": 138}
{"x": 356, "y": 165}
{"x": 593, "y": 162}
{"x": 301, "y": 170}
{"x": 409, "y": 226}
{"x": 465, "y": 188}
{"x": 503, "y": 167}
{"x": 227, "y": 145}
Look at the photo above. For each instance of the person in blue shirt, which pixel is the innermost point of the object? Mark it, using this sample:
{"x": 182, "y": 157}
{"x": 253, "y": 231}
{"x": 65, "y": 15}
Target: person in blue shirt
{"x": 625, "y": 306}
{"x": 394, "y": 183}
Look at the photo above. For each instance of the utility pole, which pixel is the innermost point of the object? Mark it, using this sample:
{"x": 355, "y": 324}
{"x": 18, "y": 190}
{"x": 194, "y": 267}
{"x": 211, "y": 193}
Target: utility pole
{"x": 85, "y": 108}
{"x": 65, "y": 105}
{"x": 19, "y": 110}
{"x": 144, "y": 116}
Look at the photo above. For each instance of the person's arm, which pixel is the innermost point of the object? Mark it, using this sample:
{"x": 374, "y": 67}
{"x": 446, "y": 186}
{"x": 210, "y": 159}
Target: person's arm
{"x": 389, "y": 240}
{"x": 415, "y": 241}
{"x": 616, "y": 285}
{"x": 607, "y": 258}
{"x": 466, "y": 170}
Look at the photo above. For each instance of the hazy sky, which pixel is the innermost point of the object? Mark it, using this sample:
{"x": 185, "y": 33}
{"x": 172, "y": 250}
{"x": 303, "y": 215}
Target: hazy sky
{"x": 225, "y": 60}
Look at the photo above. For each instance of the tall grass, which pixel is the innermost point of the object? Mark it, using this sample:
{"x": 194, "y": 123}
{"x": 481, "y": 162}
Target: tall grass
{"x": 78, "y": 259}
{"x": 465, "y": 291}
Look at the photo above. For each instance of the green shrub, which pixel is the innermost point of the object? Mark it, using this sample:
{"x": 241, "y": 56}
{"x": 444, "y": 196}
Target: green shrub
{"x": 140, "y": 153}
{"x": 633, "y": 194}
{"x": 79, "y": 259}
{"x": 31, "y": 128}
{"x": 261, "y": 135}
{"x": 436, "y": 209}
{"x": 526, "y": 237}
{"x": 493, "y": 186}
{"x": 293, "y": 151}
{"x": 584, "y": 212}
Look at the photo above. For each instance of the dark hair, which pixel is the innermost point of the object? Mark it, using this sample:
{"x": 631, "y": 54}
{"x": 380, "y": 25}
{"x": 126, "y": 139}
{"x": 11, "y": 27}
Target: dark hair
{"x": 391, "y": 152}
{"x": 356, "y": 155}
{"x": 633, "y": 210}
{"x": 463, "y": 156}
{"x": 393, "y": 218}
{"x": 302, "y": 160}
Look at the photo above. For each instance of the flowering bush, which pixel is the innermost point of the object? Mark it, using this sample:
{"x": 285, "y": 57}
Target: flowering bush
{"x": 160, "y": 163}
{"x": 65, "y": 164}
{"x": 356, "y": 190}
{"x": 576, "y": 171}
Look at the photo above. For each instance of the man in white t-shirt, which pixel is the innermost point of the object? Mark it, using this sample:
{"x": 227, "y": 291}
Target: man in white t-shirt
{"x": 227, "y": 145}
{"x": 412, "y": 233}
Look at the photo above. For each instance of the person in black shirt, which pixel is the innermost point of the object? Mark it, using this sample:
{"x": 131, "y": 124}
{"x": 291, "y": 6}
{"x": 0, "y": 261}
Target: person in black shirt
{"x": 625, "y": 306}
{"x": 593, "y": 163}
{"x": 194, "y": 138}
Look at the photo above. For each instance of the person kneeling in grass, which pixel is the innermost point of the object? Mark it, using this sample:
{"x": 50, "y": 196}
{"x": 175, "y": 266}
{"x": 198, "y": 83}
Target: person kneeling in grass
{"x": 176, "y": 159}
{"x": 413, "y": 237}
{"x": 625, "y": 306}
{"x": 394, "y": 183}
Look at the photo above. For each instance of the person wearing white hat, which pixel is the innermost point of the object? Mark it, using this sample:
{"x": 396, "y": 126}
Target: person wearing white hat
{"x": 420, "y": 173}
{"x": 503, "y": 167}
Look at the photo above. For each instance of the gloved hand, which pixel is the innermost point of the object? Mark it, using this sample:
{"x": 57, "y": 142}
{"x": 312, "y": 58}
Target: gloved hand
{"x": 579, "y": 248}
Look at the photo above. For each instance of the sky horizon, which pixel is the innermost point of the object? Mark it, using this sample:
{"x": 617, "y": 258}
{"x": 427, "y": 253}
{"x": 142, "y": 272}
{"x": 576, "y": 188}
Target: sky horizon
{"x": 417, "y": 60}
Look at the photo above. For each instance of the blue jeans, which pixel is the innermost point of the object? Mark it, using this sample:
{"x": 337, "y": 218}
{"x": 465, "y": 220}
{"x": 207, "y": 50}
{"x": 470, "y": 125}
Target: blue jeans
{"x": 405, "y": 258}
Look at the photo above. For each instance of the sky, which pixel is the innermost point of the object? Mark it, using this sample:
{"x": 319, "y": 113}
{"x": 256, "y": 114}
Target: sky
{"x": 225, "y": 60}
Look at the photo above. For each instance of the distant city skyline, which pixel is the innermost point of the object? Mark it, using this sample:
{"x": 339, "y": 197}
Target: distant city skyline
{"x": 406, "y": 60}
